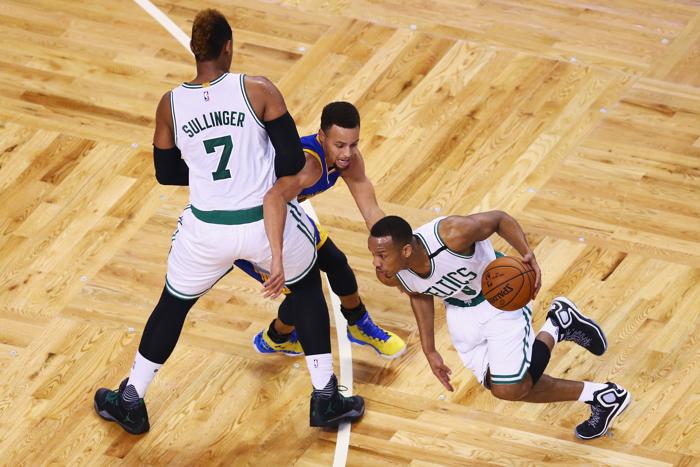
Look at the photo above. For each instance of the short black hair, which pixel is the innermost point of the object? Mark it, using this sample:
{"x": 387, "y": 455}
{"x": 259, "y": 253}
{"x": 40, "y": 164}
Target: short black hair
{"x": 340, "y": 113}
{"x": 395, "y": 227}
{"x": 210, "y": 32}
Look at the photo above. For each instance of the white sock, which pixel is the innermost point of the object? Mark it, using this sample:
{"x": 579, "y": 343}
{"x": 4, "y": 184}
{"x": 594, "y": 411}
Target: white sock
{"x": 142, "y": 373}
{"x": 588, "y": 390}
{"x": 550, "y": 328}
{"x": 320, "y": 368}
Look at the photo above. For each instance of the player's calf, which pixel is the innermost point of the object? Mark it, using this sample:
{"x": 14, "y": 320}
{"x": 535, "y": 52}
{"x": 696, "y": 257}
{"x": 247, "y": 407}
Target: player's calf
{"x": 511, "y": 391}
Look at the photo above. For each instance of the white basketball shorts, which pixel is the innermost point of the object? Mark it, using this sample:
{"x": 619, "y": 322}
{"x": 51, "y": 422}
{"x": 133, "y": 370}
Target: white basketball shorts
{"x": 487, "y": 338}
{"x": 203, "y": 252}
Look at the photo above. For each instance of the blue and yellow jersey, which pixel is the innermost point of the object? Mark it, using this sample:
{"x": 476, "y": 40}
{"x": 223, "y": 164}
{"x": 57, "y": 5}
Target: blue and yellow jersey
{"x": 312, "y": 147}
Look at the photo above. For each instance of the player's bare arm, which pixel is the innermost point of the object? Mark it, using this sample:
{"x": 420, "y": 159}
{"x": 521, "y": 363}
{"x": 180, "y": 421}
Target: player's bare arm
{"x": 269, "y": 105}
{"x": 362, "y": 190}
{"x": 164, "y": 134}
{"x": 461, "y": 232}
{"x": 170, "y": 168}
{"x": 424, "y": 310}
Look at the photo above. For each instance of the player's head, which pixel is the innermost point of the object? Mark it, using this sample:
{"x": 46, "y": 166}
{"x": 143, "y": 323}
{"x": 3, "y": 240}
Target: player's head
{"x": 212, "y": 39}
{"x": 391, "y": 244}
{"x": 340, "y": 133}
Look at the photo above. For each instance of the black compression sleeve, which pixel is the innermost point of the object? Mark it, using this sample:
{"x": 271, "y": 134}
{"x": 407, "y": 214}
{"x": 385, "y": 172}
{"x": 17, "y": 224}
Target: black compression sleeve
{"x": 164, "y": 326}
{"x": 170, "y": 168}
{"x": 289, "y": 155}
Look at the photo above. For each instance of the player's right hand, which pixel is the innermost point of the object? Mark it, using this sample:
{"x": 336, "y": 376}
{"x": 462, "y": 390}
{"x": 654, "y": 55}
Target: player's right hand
{"x": 440, "y": 370}
{"x": 530, "y": 260}
{"x": 274, "y": 284}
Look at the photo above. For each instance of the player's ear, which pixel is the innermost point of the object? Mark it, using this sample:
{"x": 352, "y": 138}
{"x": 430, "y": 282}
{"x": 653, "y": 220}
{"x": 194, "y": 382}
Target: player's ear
{"x": 321, "y": 135}
{"x": 406, "y": 251}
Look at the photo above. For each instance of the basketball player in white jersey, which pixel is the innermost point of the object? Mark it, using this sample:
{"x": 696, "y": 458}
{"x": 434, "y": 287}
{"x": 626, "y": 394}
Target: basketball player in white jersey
{"x": 228, "y": 135}
{"x": 446, "y": 258}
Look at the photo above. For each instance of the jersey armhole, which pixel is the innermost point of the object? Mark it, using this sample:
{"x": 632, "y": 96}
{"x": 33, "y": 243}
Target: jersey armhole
{"x": 315, "y": 155}
{"x": 172, "y": 114}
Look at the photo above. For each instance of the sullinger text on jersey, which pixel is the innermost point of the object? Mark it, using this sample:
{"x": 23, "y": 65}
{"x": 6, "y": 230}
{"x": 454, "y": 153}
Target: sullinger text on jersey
{"x": 218, "y": 118}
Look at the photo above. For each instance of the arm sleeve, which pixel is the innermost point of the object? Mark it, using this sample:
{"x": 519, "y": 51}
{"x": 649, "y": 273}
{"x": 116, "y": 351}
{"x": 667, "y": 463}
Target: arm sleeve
{"x": 171, "y": 169}
{"x": 289, "y": 155}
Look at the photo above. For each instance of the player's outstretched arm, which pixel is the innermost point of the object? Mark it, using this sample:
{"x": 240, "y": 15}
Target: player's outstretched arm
{"x": 362, "y": 190}
{"x": 275, "y": 202}
{"x": 424, "y": 310}
{"x": 460, "y": 233}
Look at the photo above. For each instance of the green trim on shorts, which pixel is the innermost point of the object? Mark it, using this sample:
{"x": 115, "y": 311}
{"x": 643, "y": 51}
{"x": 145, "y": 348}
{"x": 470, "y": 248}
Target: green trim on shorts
{"x": 520, "y": 375}
{"x": 311, "y": 239}
{"x": 304, "y": 273}
{"x": 181, "y": 295}
{"x": 241, "y": 216}
{"x": 301, "y": 225}
{"x": 184, "y": 296}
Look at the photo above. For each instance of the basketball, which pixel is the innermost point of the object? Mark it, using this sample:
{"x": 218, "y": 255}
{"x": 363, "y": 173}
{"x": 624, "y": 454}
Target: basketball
{"x": 508, "y": 283}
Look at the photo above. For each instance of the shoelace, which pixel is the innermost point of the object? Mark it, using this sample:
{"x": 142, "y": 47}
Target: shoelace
{"x": 596, "y": 412}
{"x": 372, "y": 330}
{"x": 578, "y": 337}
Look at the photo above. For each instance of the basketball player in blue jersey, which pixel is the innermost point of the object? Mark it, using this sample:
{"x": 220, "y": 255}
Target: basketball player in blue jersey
{"x": 446, "y": 258}
{"x": 227, "y": 136}
{"x": 331, "y": 154}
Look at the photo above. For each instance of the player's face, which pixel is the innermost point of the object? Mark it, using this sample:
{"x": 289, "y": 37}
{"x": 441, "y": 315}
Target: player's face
{"x": 387, "y": 257}
{"x": 340, "y": 145}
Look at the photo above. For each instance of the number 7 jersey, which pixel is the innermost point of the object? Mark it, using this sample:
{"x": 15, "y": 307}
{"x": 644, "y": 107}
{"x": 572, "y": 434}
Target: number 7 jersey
{"x": 225, "y": 145}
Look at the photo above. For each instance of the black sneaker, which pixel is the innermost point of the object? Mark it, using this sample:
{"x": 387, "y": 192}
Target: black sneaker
{"x": 606, "y": 406}
{"x": 576, "y": 327}
{"x": 330, "y": 411}
{"x": 133, "y": 417}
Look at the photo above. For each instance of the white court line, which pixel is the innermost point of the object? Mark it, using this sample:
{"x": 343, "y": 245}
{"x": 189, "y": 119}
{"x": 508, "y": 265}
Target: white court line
{"x": 344, "y": 350}
{"x": 342, "y": 441}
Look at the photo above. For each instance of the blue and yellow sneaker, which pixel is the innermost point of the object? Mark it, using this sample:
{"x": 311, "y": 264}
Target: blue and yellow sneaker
{"x": 291, "y": 347}
{"x": 385, "y": 343}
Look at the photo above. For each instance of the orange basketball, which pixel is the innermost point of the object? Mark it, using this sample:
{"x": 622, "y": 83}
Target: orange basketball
{"x": 507, "y": 283}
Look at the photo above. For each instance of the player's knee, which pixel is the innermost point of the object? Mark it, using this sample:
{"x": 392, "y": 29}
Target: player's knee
{"x": 330, "y": 257}
{"x": 335, "y": 264}
{"x": 511, "y": 392}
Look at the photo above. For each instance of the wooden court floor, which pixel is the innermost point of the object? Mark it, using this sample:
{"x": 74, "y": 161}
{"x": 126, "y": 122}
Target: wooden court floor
{"x": 580, "y": 118}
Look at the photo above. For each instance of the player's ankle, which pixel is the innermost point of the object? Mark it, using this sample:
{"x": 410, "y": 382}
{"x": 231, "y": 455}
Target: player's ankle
{"x": 353, "y": 315}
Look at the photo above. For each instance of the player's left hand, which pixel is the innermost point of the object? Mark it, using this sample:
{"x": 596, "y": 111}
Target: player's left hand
{"x": 440, "y": 370}
{"x": 273, "y": 286}
{"x": 529, "y": 259}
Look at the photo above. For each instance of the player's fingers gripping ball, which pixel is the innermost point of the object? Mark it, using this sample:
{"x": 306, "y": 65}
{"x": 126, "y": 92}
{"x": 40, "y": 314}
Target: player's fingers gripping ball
{"x": 508, "y": 283}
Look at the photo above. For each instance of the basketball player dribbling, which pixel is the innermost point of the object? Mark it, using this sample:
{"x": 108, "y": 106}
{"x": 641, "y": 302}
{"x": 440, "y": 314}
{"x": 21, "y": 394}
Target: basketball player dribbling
{"x": 445, "y": 258}
{"x": 226, "y": 136}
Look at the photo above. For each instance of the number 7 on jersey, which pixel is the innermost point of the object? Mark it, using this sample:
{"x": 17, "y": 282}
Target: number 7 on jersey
{"x": 210, "y": 145}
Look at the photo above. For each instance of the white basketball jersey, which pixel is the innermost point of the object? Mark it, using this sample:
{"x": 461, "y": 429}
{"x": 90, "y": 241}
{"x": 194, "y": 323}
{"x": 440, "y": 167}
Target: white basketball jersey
{"x": 225, "y": 146}
{"x": 452, "y": 275}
